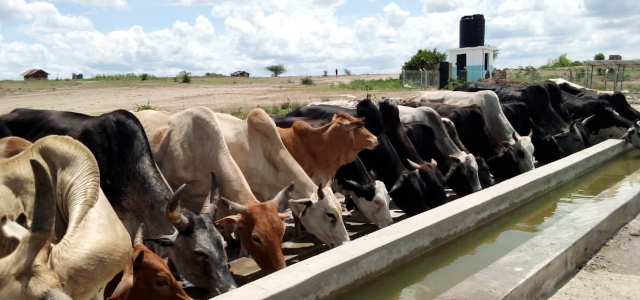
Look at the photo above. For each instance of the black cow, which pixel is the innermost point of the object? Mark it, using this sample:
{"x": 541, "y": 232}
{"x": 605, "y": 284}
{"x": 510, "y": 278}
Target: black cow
{"x": 474, "y": 134}
{"x": 616, "y": 100}
{"x": 134, "y": 186}
{"x": 459, "y": 177}
{"x": 534, "y": 96}
{"x": 547, "y": 148}
{"x": 405, "y": 186}
{"x": 555, "y": 98}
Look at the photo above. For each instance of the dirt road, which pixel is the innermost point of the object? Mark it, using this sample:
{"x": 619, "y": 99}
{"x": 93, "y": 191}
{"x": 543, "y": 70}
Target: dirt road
{"x": 217, "y": 93}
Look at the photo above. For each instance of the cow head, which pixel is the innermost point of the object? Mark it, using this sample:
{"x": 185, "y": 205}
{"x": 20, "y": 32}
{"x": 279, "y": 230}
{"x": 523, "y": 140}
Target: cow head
{"x": 462, "y": 177}
{"x": 484, "y": 174}
{"x": 633, "y": 135}
{"x": 351, "y": 131}
{"x": 321, "y": 215}
{"x": 146, "y": 276}
{"x": 504, "y": 165}
{"x": 433, "y": 180}
{"x": 25, "y": 273}
{"x": 571, "y": 141}
{"x": 404, "y": 191}
{"x": 523, "y": 148}
{"x": 372, "y": 200}
{"x": 261, "y": 229}
{"x": 196, "y": 247}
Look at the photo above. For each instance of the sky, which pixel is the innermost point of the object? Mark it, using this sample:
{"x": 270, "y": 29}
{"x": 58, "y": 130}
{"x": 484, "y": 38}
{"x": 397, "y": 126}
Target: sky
{"x": 164, "y": 37}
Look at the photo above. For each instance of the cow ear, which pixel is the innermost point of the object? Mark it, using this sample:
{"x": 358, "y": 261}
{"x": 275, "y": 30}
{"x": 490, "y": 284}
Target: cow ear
{"x": 454, "y": 159}
{"x": 285, "y": 216}
{"x": 434, "y": 162}
{"x": 505, "y": 144}
{"x": 22, "y": 219}
{"x": 352, "y": 185}
{"x": 12, "y": 229}
{"x": 352, "y": 137}
{"x": 515, "y": 136}
{"x": 233, "y": 221}
{"x": 306, "y": 202}
{"x": 126, "y": 282}
{"x": 354, "y": 125}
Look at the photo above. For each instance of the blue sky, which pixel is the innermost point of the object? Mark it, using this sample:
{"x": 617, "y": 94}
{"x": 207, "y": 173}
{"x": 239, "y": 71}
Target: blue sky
{"x": 366, "y": 36}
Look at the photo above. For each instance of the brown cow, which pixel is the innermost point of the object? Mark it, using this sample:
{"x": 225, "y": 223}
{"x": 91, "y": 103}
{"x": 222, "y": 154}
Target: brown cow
{"x": 322, "y": 151}
{"x": 12, "y": 146}
{"x": 146, "y": 276}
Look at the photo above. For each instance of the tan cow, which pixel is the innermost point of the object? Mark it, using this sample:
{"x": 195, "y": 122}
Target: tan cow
{"x": 24, "y": 273}
{"x": 146, "y": 276}
{"x": 322, "y": 151}
{"x": 90, "y": 244}
{"x": 189, "y": 145}
{"x": 256, "y": 146}
{"x": 12, "y": 146}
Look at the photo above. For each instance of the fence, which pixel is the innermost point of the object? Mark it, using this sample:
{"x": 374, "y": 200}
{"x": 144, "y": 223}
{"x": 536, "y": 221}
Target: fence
{"x": 602, "y": 79}
{"x": 422, "y": 79}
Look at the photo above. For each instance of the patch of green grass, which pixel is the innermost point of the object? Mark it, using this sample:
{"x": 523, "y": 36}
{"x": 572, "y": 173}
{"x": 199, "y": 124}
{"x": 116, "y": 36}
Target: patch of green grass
{"x": 144, "y": 107}
{"x": 374, "y": 84}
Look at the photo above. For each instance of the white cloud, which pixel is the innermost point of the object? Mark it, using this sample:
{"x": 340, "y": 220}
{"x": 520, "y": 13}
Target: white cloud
{"x": 395, "y": 14}
{"x": 44, "y": 17}
{"x": 119, "y": 4}
{"x": 308, "y": 36}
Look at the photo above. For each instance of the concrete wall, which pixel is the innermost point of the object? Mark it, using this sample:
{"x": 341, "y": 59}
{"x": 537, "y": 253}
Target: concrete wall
{"x": 475, "y": 61}
{"x": 338, "y": 270}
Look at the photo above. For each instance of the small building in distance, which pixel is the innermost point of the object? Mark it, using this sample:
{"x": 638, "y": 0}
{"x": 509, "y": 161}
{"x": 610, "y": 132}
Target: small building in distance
{"x": 615, "y": 57}
{"x": 35, "y": 74}
{"x": 240, "y": 74}
{"x": 77, "y": 76}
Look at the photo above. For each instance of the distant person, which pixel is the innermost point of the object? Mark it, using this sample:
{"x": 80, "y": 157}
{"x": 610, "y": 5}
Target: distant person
{"x": 336, "y": 72}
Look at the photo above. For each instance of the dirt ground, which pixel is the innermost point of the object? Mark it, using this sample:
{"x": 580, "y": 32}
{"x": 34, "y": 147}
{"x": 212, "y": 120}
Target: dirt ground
{"x": 97, "y": 97}
{"x": 612, "y": 273}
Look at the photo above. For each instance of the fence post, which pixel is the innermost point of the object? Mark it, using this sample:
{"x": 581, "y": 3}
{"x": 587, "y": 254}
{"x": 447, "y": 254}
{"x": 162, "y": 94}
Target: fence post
{"x": 586, "y": 76}
{"x": 530, "y": 76}
{"x": 403, "y": 78}
{"x": 606, "y": 77}
{"x": 621, "y": 80}
{"x": 571, "y": 74}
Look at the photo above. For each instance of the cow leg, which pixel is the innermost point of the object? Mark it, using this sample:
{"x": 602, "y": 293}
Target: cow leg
{"x": 298, "y": 225}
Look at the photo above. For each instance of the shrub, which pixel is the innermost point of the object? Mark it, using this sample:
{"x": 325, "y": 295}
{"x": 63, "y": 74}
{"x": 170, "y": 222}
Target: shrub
{"x": 306, "y": 80}
{"x": 144, "y": 76}
{"x": 144, "y": 107}
{"x": 347, "y": 71}
{"x": 324, "y": 73}
{"x": 184, "y": 77}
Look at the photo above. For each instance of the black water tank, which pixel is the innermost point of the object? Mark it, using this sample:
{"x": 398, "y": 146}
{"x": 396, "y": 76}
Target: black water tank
{"x": 472, "y": 31}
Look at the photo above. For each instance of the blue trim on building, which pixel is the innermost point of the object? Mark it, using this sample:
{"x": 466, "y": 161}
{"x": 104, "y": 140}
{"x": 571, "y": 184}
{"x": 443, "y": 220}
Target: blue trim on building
{"x": 454, "y": 72}
{"x": 474, "y": 73}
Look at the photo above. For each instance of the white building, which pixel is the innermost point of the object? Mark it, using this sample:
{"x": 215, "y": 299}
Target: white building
{"x": 475, "y": 60}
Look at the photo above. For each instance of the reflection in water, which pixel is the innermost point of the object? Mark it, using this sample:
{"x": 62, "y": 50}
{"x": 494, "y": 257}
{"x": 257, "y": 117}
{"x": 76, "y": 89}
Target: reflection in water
{"x": 440, "y": 269}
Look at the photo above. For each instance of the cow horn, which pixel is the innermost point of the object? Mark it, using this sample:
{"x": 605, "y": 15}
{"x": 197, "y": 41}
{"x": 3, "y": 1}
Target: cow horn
{"x": 284, "y": 194}
{"x": 320, "y": 192}
{"x": 43, "y": 213}
{"x": 139, "y": 235}
{"x": 179, "y": 221}
{"x": 235, "y": 208}
{"x": 414, "y": 164}
{"x": 515, "y": 136}
{"x": 211, "y": 205}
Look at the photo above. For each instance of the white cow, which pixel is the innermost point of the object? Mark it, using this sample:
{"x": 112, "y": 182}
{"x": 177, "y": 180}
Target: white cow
{"x": 90, "y": 244}
{"x": 497, "y": 123}
{"x": 256, "y": 146}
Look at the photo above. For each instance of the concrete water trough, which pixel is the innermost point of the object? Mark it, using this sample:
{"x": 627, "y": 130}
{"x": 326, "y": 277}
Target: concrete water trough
{"x": 333, "y": 272}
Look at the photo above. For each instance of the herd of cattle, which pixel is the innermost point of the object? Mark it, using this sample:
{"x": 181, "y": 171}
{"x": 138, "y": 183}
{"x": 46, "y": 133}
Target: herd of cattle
{"x": 90, "y": 207}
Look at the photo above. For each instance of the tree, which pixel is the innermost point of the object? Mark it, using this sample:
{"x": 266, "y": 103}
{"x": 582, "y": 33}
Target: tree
{"x": 276, "y": 69}
{"x": 495, "y": 52}
{"x": 425, "y": 59}
{"x": 599, "y": 56}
